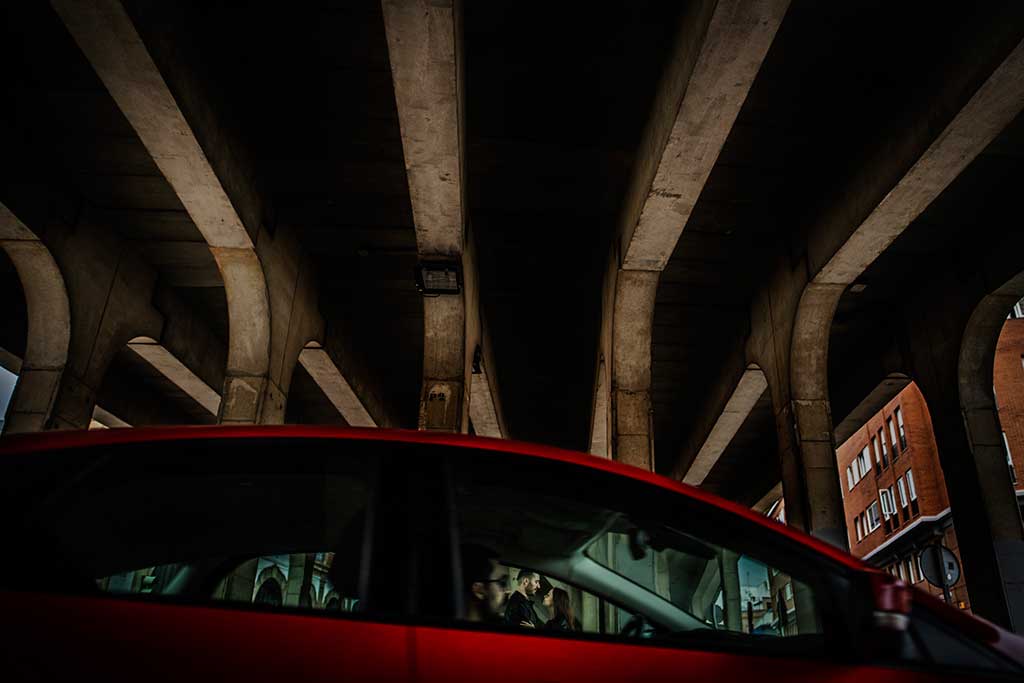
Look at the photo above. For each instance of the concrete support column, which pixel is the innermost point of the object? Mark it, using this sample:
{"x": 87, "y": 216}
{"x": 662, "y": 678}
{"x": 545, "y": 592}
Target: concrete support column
{"x": 951, "y": 351}
{"x": 631, "y": 368}
{"x": 425, "y": 50}
{"x": 717, "y": 52}
{"x": 49, "y": 326}
{"x": 899, "y": 181}
{"x": 110, "y": 292}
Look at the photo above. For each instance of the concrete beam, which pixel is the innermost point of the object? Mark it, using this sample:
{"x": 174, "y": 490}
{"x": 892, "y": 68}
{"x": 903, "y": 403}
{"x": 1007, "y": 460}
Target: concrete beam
{"x": 49, "y": 326}
{"x": 339, "y": 392}
{"x": 424, "y": 47}
{"x": 717, "y": 52}
{"x": 484, "y": 402}
{"x": 106, "y": 419}
{"x": 745, "y": 395}
{"x": 110, "y": 41}
{"x": 164, "y": 362}
{"x": 905, "y": 176}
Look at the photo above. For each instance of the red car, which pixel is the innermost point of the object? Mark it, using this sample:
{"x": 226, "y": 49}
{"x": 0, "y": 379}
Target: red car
{"x": 286, "y": 553}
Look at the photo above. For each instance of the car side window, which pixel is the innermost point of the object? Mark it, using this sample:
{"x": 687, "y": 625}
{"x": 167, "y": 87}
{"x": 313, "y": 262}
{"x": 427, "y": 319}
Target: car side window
{"x": 631, "y": 560}
{"x": 247, "y": 522}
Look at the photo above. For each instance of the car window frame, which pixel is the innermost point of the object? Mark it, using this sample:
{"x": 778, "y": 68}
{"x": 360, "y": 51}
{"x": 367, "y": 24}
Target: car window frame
{"x": 830, "y": 579}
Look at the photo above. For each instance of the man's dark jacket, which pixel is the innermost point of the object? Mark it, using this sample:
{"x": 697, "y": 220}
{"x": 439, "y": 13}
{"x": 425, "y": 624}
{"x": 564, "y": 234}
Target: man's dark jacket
{"x": 519, "y": 609}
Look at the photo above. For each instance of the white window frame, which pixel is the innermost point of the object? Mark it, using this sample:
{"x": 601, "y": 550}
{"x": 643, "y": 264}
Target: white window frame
{"x": 910, "y": 484}
{"x": 849, "y": 478}
{"x": 899, "y": 570}
{"x": 885, "y": 448}
{"x": 892, "y": 433}
{"x": 899, "y": 425}
{"x": 887, "y": 507}
{"x": 860, "y": 532}
{"x": 874, "y": 520}
{"x": 903, "y": 492}
{"x": 874, "y": 449}
{"x": 865, "y": 461}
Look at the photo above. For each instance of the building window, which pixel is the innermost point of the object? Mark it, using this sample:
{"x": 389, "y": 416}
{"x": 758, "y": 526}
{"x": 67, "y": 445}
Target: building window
{"x": 885, "y": 450}
{"x": 849, "y": 478}
{"x": 864, "y": 462}
{"x": 910, "y": 570}
{"x": 912, "y": 490}
{"x": 860, "y": 532}
{"x": 1016, "y": 312}
{"x": 917, "y": 561}
{"x": 1009, "y": 460}
{"x": 878, "y": 456}
{"x": 874, "y": 521}
{"x": 892, "y": 440}
{"x": 899, "y": 569}
{"x": 902, "y": 429}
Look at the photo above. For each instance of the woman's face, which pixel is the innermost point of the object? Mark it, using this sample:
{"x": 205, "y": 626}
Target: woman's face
{"x": 549, "y": 599}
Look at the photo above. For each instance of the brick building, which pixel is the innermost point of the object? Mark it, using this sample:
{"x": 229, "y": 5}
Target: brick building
{"x": 894, "y": 492}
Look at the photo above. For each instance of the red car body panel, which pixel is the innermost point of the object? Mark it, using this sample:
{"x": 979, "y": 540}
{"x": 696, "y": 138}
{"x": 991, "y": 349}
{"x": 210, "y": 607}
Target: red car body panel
{"x": 452, "y": 655}
{"x": 163, "y": 641}
{"x": 104, "y": 639}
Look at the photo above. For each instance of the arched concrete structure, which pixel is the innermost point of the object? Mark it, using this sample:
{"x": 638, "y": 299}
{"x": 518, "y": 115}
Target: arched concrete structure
{"x": 836, "y": 256}
{"x": 984, "y": 435}
{"x": 110, "y": 41}
{"x": 718, "y": 50}
{"x": 49, "y": 326}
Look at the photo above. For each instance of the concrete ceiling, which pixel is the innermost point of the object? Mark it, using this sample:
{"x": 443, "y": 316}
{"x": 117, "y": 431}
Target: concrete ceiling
{"x": 556, "y": 99}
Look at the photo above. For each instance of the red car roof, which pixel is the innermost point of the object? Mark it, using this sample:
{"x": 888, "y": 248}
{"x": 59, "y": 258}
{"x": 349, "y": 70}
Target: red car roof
{"x": 60, "y": 440}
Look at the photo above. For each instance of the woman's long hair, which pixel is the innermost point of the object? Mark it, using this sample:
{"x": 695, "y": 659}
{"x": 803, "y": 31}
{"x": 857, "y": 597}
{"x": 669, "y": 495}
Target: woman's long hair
{"x": 563, "y": 607}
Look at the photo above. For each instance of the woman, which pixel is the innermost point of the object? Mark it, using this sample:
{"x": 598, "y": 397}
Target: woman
{"x": 558, "y": 604}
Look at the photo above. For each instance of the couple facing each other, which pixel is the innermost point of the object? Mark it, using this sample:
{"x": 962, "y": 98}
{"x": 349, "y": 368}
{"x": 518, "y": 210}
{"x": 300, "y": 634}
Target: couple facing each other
{"x": 485, "y": 581}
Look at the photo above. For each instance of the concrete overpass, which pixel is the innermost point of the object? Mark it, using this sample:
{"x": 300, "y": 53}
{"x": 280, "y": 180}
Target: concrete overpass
{"x": 703, "y": 238}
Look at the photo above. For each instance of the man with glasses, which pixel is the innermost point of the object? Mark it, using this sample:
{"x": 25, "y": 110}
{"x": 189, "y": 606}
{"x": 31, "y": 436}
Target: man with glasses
{"x": 485, "y": 582}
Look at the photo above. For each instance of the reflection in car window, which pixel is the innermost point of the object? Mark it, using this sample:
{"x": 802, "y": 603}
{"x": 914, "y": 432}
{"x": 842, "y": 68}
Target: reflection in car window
{"x": 682, "y": 576}
{"x": 727, "y": 590}
{"x": 293, "y": 580}
{"x": 234, "y": 525}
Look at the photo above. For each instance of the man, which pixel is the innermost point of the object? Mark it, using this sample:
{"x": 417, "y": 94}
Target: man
{"x": 484, "y": 580}
{"x": 519, "y": 611}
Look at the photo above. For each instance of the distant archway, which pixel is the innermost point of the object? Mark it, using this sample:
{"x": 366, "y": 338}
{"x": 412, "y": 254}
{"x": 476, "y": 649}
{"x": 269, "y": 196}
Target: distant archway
{"x": 49, "y": 326}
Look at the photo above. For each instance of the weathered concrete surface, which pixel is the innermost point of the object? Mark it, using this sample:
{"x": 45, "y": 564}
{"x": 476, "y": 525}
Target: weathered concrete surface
{"x": 424, "y": 50}
{"x": 631, "y": 367}
{"x": 980, "y": 418}
{"x": 110, "y": 294}
{"x": 792, "y": 317}
{"x": 745, "y": 395}
{"x": 272, "y": 301}
{"x": 325, "y": 373}
{"x": 164, "y": 362}
{"x": 113, "y": 46}
{"x": 424, "y": 47}
{"x": 49, "y": 326}
{"x": 718, "y": 50}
